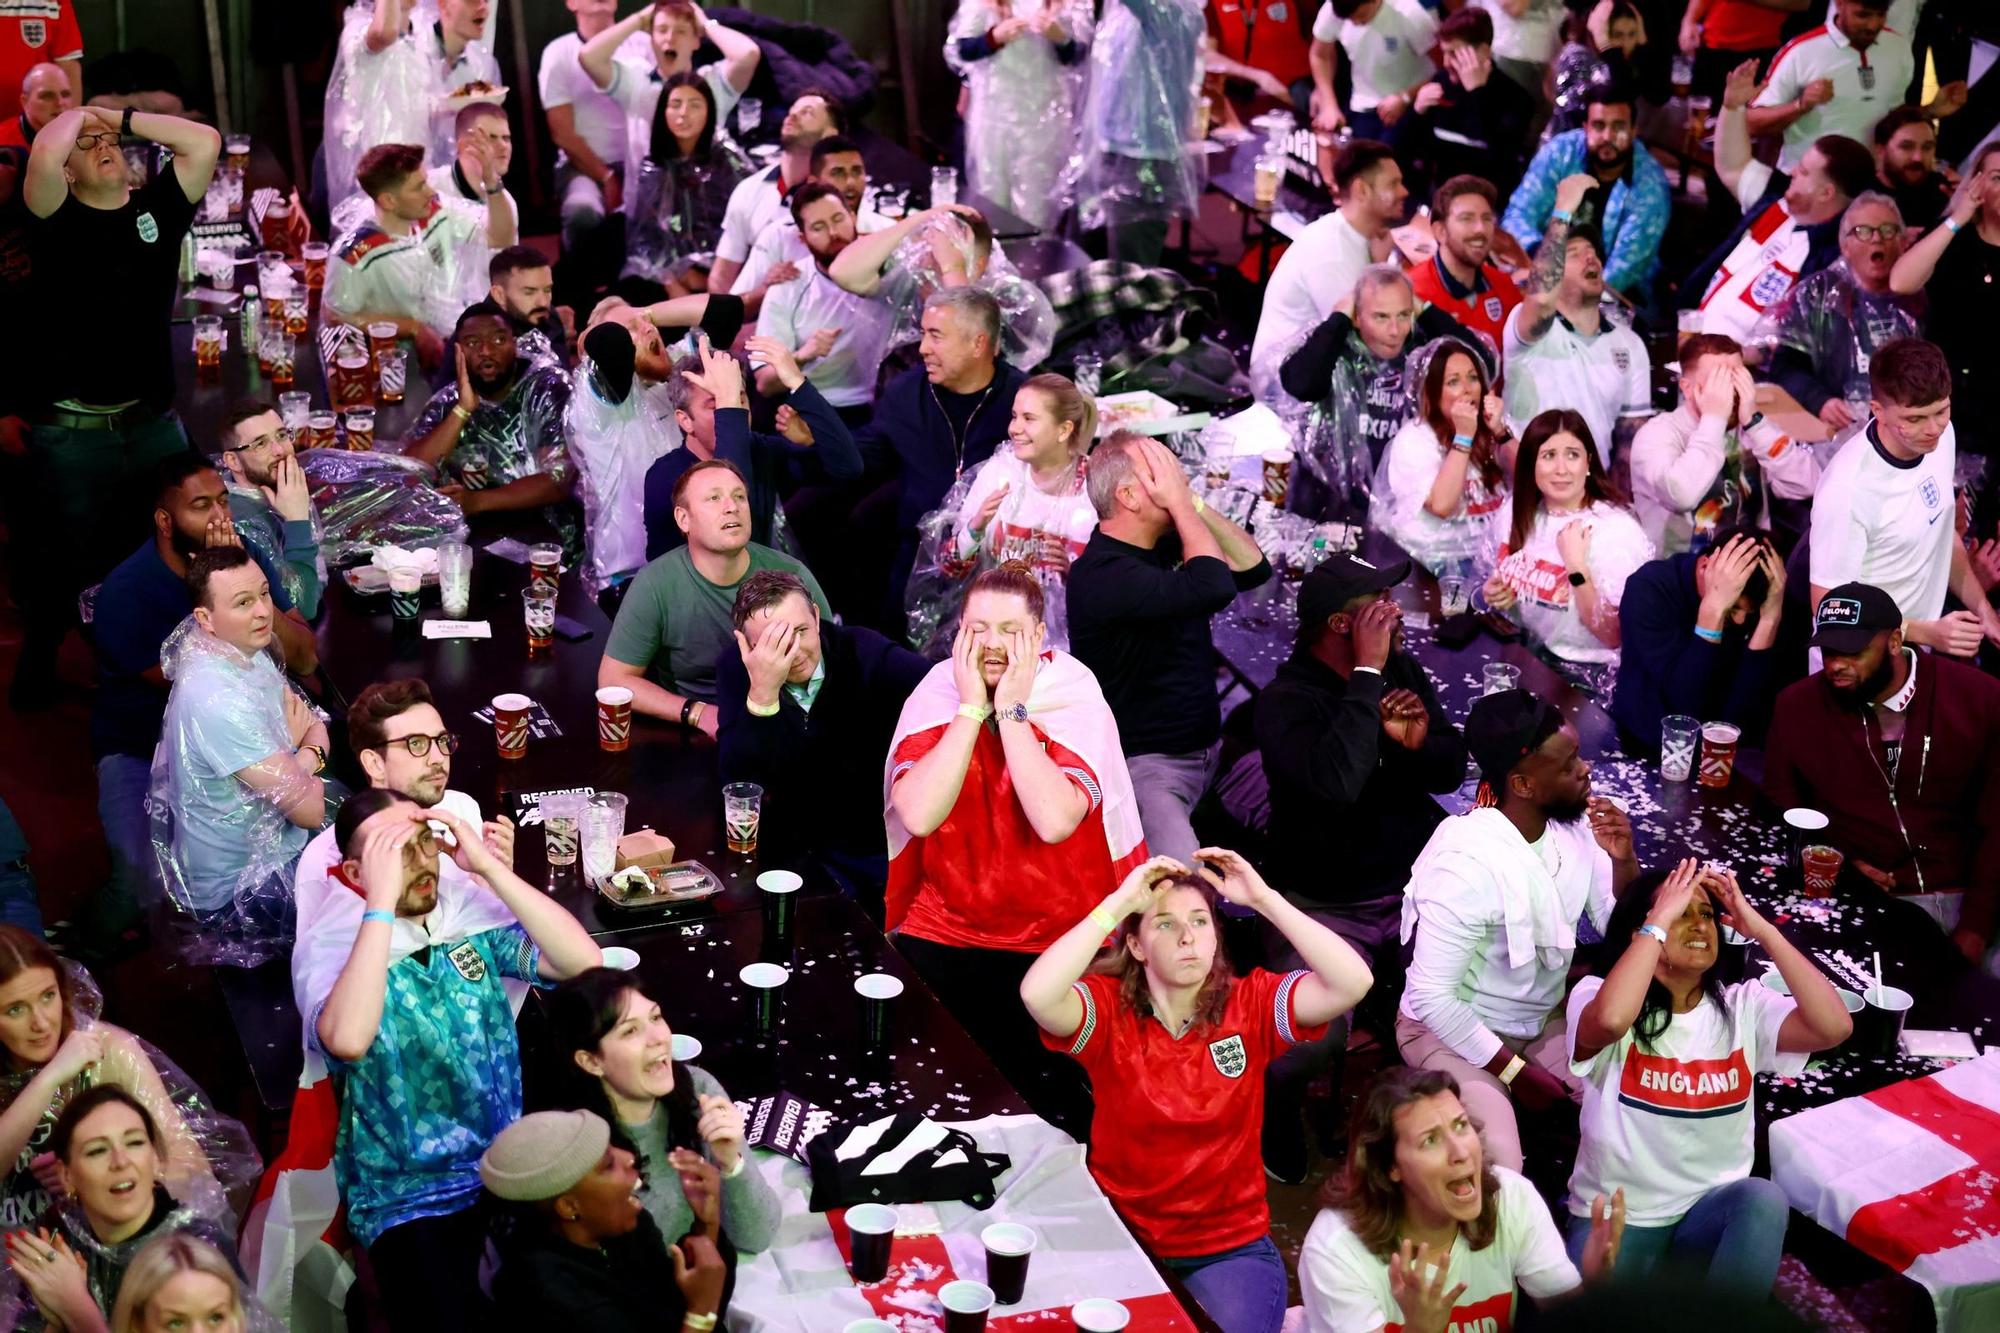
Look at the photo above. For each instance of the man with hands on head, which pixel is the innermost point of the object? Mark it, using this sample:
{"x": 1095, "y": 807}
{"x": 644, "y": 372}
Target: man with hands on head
{"x": 1176, "y": 1048}
{"x": 416, "y": 1027}
{"x": 803, "y": 706}
{"x": 1493, "y": 903}
{"x": 1706, "y": 465}
{"x": 100, "y": 422}
{"x": 1159, "y": 565}
{"x": 1697, "y": 633}
{"x": 712, "y": 408}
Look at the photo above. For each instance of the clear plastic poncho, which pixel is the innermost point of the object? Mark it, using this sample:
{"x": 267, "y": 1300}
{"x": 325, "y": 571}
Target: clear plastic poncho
{"x": 1836, "y": 326}
{"x": 1132, "y": 162}
{"x": 1339, "y": 436}
{"x": 612, "y": 445}
{"x": 1464, "y": 543}
{"x": 224, "y": 778}
{"x": 1020, "y": 126}
{"x": 363, "y": 500}
{"x": 1028, "y": 323}
{"x": 211, "y": 1163}
{"x": 1045, "y": 530}
{"x": 396, "y": 95}
{"x": 675, "y": 209}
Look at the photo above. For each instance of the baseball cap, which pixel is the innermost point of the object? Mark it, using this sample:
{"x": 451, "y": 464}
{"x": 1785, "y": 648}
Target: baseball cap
{"x": 1505, "y": 728}
{"x": 1338, "y": 581}
{"x": 1851, "y": 615}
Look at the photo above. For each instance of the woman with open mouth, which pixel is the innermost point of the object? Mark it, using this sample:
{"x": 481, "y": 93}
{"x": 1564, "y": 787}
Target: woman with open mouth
{"x": 614, "y": 1055}
{"x": 1668, "y": 1053}
{"x": 1421, "y": 1233}
{"x": 110, "y": 1154}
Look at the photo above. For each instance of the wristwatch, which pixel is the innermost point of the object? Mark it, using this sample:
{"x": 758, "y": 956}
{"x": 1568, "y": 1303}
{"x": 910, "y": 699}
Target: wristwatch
{"x": 1577, "y": 578}
{"x": 125, "y": 124}
{"x": 319, "y": 757}
{"x": 1014, "y": 713}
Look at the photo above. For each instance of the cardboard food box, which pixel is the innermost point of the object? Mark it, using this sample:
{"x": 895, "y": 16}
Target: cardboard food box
{"x": 645, "y": 849}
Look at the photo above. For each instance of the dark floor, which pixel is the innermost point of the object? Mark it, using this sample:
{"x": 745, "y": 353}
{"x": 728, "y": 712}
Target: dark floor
{"x": 46, "y": 778}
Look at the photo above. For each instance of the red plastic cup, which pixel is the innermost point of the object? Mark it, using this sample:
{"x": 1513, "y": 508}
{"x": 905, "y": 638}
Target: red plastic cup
{"x": 510, "y": 724}
{"x": 1821, "y": 867}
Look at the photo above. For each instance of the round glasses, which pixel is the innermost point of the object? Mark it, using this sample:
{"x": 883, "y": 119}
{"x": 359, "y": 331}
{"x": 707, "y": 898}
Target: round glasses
{"x": 419, "y": 745}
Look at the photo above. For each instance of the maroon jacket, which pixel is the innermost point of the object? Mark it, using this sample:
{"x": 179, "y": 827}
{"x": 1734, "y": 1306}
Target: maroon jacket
{"x": 1939, "y": 828}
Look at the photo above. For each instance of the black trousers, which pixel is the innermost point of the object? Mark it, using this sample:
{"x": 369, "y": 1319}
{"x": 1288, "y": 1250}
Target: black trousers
{"x": 427, "y": 1273}
{"x": 982, "y": 988}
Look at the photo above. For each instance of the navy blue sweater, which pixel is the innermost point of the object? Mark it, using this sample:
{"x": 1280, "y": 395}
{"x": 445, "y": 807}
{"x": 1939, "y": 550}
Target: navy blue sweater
{"x": 1667, "y": 669}
{"x": 772, "y": 467}
{"x": 912, "y": 437}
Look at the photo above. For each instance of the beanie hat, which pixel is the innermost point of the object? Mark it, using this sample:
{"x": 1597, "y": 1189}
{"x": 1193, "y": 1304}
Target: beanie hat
{"x": 544, "y": 1155}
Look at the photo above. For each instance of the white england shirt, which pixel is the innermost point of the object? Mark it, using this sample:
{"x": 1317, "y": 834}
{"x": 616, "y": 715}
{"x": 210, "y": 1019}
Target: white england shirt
{"x": 1866, "y": 84}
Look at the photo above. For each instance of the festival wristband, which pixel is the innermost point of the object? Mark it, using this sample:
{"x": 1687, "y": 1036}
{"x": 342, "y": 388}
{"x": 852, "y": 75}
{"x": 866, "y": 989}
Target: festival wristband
{"x": 758, "y": 710}
{"x": 1102, "y": 919}
{"x": 1514, "y": 1066}
{"x": 1199, "y": 504}
{"x": 377, "y": 914}
{"x": 1650, "y": 929}
{"x": 1952, "y": 225}
{"x": 700, "y": 1323}
{"x": 977, "y": 712}
{"x": 1563, "y": 215}
{"x": 737, "y": 1169}
{"x": 1708, "y": 635}
{"x": 1463, "y": 442}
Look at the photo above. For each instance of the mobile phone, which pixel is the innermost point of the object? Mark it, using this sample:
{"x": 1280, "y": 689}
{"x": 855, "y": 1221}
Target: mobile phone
{"x": 569, "y": 631}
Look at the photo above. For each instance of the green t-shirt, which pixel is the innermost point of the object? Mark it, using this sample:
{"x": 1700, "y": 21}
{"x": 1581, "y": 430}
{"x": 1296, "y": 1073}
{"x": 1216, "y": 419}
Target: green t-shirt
{"x": 673, "y": 621}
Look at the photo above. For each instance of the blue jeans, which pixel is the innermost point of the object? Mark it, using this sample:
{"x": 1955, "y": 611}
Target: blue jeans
{"x": 1734, "y": 1234}
{"x": 122, "y": 780}
{"x": 1243, "y": 1290}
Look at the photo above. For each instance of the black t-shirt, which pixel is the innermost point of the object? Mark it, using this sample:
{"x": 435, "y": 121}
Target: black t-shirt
{"x": 1964, "y": 295}
{"x": 107, "y": 280}
{"x": 958, "y": 410}
{"x": 1139, "y": 620}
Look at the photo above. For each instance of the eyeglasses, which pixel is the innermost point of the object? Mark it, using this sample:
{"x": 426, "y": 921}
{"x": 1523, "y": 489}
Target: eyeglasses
{"x": 86, "y": 142}
{"x": 283, "y": 435}
{"x": 419, "y": 745}
{"x": 1884, "y": 231}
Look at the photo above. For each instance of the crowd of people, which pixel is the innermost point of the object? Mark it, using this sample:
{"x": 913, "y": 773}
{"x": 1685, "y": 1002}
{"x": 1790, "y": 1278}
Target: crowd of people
{"x": 862, "y": 542}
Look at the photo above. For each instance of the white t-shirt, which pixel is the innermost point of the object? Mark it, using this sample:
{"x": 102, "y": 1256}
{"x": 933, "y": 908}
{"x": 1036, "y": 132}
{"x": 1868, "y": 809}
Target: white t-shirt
{"x": 754, "y": 204}
{"x": 1409, "y": 467}
{"x": 1618, "y": 546}
{"x": 1319, "y": 268}
{"x": 1603, "y": 378}
{"x": 1346, "y": 1289}
{"x": 1762, "y": 267}
{"x": 1476, "y": 892}
{"x": 598, "y": 120}
{"x": 1047, "y": 529}
{"x": 1388, "y": 54}
{"x": 1866, "y": 84}
{"x": 793, "y": 311}
{"x": 1668, "y": 1125}
{"x": 636, "y": 91}
{"x": 1890, "y": 526}
{"x": 1530, "y": 38}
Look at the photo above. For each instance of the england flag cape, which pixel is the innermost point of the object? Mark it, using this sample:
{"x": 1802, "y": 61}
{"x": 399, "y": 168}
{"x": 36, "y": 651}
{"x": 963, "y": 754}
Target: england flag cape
{"x": 1067, "y": 705}
{"x": 1908, "y": 1175}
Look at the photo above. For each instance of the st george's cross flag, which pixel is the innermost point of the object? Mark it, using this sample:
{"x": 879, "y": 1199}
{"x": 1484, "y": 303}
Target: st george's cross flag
{"x": 1910, "y": 1174}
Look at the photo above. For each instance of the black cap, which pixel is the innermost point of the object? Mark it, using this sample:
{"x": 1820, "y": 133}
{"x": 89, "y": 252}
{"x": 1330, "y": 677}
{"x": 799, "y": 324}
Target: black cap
{"x": 1850, "y": 616}
{"x": 1339, "y": 580}
{"x": 1505, "y": 728}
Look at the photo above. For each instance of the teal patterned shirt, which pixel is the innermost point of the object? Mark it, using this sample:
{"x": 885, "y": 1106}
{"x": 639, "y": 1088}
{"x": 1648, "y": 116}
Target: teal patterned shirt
{"x": 439, "y": 1083}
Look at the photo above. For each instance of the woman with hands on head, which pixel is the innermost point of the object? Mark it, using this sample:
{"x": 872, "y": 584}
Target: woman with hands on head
{"x": 614, "y": 1057}
{"x": 1421, "y": 1232}
{"x": 1668, "y": 1054}
{"x": 1176, "y": 1045}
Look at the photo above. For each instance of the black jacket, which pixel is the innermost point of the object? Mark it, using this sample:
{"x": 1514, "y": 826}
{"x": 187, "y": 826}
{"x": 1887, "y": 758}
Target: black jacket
{"x": 1483, "y": 132}
{"x": 821, "y": 773}
{"x": 1350, "y": 808}
{"x": 1665, "y": 669}
{"x": 624, "y": 1286}
{"x": 912, "y": 437}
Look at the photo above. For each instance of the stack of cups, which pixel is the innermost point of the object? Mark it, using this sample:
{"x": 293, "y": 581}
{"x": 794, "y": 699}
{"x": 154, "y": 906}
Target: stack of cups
{"x": 455, "y": 578}
{"x": 603, "y": 826}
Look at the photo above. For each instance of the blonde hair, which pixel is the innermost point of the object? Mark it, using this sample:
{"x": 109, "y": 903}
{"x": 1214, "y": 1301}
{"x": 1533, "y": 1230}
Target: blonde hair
{"x": 157, "y": 1264}
{"x": 1068, "y": 404}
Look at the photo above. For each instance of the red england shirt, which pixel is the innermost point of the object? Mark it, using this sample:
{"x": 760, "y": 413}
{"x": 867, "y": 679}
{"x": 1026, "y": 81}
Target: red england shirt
{"x": 986, "y": 878}
{"x": 32, "y": 31}
{"x": 1483, "y": 309}
{"x": 1192, "y": 1183}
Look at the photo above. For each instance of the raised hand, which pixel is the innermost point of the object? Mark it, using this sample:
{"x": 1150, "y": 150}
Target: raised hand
{"x": 1019, "y": 678}
{"x": 1734, "y": 909}
{"x": 702, "y": 1184}
{"x": 988, "y": 508}
{"x": 818, "y": 345}
{"x": 80, "y": 1050}
{"x": 770, "y": 660}
{"x": 468, "y": 397}
{"x": 382, "y": 856}
{"x": 1405, "y": 720}
{"x": 1426, "y": 1305}
{"x": 288, "y": 495}
{"x": 699, "y": 1272}
{"x": 1464, "y": 418}
{"x": 1714, "y": 392}
{"x": 498, "y": 835}
{"x": 778, "y": 357}
{"x": 793, "y": 426}
{"x": 781, "y": 272}
{"x": 1135, "y": 893}
{"x": 221, "y": 531}
{"x": 1375, "y": 628}
{"x": 1498, "y": 592}
{"x": 1607, "y": 1233}
{"x": 1570, "y": 191}
{"x": 1574, "y": 544}
{"x": 1233, "y": 877}
{"x": 1675, "y": 894}
{"x": 721, "y": 1128}
{"x": 1740, "y": 86}
{"x": 1611, "y": 827}
{"x": 967, "y": 675}
{"x": 721, "y": 374}
{"x": 1817, "y": 93}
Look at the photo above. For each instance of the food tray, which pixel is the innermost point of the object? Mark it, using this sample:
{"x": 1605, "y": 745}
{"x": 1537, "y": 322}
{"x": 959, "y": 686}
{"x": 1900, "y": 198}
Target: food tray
{"x": 673, "y": 885}
{"x": 373, "y": 580}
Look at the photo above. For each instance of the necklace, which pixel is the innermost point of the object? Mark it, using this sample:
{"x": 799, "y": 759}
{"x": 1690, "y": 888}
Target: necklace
{"x": 957, "y": 435}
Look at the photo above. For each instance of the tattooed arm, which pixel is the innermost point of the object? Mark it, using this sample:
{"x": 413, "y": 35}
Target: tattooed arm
{"x": 1537, "y": 311}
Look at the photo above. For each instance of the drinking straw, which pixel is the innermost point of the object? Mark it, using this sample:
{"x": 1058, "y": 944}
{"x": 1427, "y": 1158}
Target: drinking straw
{"x": 1878, "y": 977}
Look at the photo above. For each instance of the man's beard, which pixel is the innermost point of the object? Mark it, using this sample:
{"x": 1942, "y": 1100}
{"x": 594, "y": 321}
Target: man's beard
{"x": 1874, "y": 686}
{"x": 1567, "y": 812}
{"x": 489, "y": 389}
{"x": 1619, "y": 159}
{"x": 412, "y": 905}
{"x": 186, "y": 547}
{"x": 1460, "y": 257}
